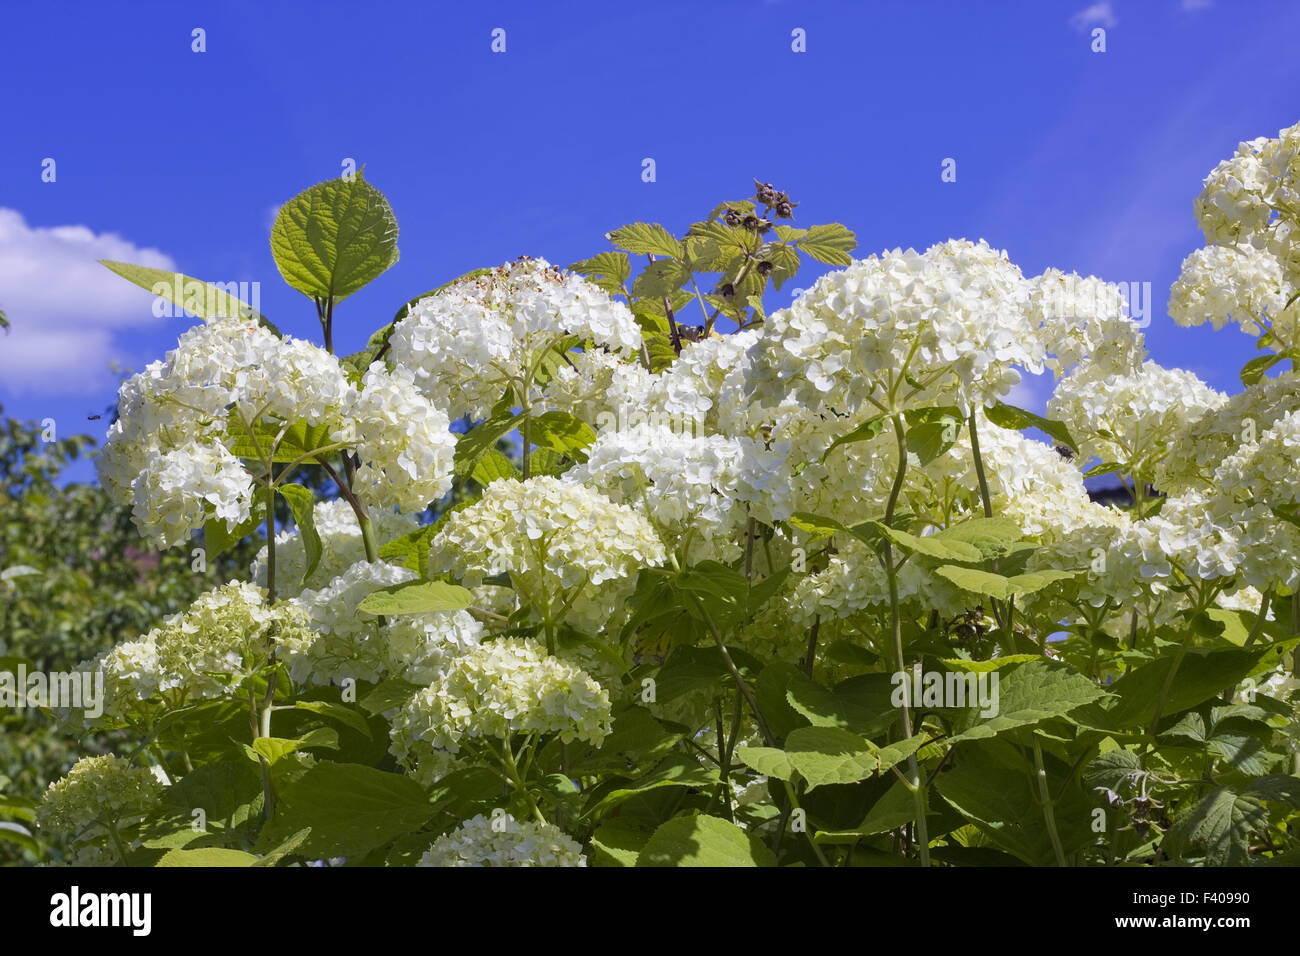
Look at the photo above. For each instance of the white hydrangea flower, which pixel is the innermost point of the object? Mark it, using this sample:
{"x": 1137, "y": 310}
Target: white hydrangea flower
{"x": 556, "y": 539}
{"x": 1240, "y": 284}
{"x": 344, "y": 642}
{"x": 502, "y": 841}
{"x": 466, "y": 343}
{"x": 97, "y": 792}
{"x": 341, "y": 546}
{"x": 954, "y": 319}
{"x": 503, "y": 687}
{"x": 1207, "y": 438}
{"x": 1129, "y": 418}
{"x": 404, "y": 442}
{"x": 596, "y": 386}
{"x": 696, "y": 487}
{"x": 170, "y": 450}
{"x": 1083, "y": 318}
{"x": 202, "y": 652}
{"x": 175, "y": 489}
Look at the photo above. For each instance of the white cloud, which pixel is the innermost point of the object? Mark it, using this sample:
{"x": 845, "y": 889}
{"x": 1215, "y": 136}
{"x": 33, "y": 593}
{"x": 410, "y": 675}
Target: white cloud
{"x": 64, "y": 306}
{"x": 1097, "y": 15}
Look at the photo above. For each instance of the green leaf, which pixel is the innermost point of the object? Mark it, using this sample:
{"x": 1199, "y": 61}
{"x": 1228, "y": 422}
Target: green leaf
{"x": 646, "y": 238}
{"x": 351, "y": 809}
{"x": 830, "y": 243}
{"x": 208, "y": 856}
{"x": 992, "y": 536}
{"x": 301, "y": 502}
{"x": 204, "y": 299}
{"x": 561, "y": 432}
{"x": 660, "y": 278}
{"x": 482, "y": 438}
{"x": 275, "y": 749}
{"x": 334, "y": 238}
{"x": 607, "y": 270}
{"x": 491, "y": 466}
{"x": 704, "y": 841}
{"x": 864, "y": 432}
{"x": 896, "y": 807}
{"x": 677, "y": 771}
{"x": 1203, "y": 674}
{"x": 998, "y": 586}
{"x": 1254, "y": 370}
{"x": 287, "y": 848}
{"x": 617, "y": 843}
{"x": 1222, "y": 823}
{"x": 934, "y": 546}
{"x": 769, "y": 761}
{"x": 827, "y": 755}
{"x": 340, "y": 712}
{"x": 419, "y": 597}
{"x": 1001, "y": 801}
{"x": 930, "y": 439}
{"x": 1008, "y": 416}
{"x": 1026, "y": 695}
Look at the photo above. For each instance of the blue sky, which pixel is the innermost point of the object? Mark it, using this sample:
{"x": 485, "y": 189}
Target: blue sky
{"x": 1065, "y": 157}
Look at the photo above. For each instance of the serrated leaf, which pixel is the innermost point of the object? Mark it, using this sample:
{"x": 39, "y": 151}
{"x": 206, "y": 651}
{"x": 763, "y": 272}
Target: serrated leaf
{"x": 607, "y": 270}
{"x": 660, "y": 278}
{"x": 998, "y": 586}
{"x": 204, "y": 299}
{"x": 350, "y": 810}
{"x": 491, "y": 466}
{"x": 420, "y": 597}
{"x": 561, "y": 432}
{"x": 704, "y": 841}
{"x": 769, "y": 761}
{"x": 334, "y": 238}
{"x": 646, "y": 238}
{"x": 1221, "y": 823}
{"x": 830, "y": 243}
{"x": 1025, "y": 696}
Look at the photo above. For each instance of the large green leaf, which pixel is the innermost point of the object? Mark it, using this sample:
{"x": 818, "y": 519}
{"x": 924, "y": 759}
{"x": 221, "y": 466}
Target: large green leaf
{"x": 1203, "y": 674}
{"x": 646, "y": 238}
{"x": 193, "y": 295}
{"x": 1008, "y": 416}
{"x": 1027, "y": 694}
{"x": 830, "y": 243}
{"x": 561, "y": 432}
{"x": 419, "y": 597}
{"x": 703, "y": 841}
{"x": 335, "y": 237}
{"x": 999, "y": 586}
{"x": 1221, "y": 823}
{"x": 350, "y": 809}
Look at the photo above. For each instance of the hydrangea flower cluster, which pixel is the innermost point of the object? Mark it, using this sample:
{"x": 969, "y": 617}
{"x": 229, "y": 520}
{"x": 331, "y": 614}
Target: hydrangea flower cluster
{"x": 1249, "y": 269}
{"x": 501, "y": 840}
{"x": 465, "y": 344}
{"x": 503, "y": 687}
{"x": 172, "y": 452}
{"x": 554, "y": 538}
{"x": 96, "y": 794}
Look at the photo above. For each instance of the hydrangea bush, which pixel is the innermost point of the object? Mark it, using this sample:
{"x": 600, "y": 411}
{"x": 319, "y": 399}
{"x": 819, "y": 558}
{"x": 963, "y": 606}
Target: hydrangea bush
{"x": 720, "y": 586}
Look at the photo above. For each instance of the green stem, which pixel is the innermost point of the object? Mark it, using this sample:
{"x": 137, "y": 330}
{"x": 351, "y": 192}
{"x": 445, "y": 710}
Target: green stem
{"x": 915, "y": 783}
{"x": 270, "y": 544}
{"x": 1045, "y": 798}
